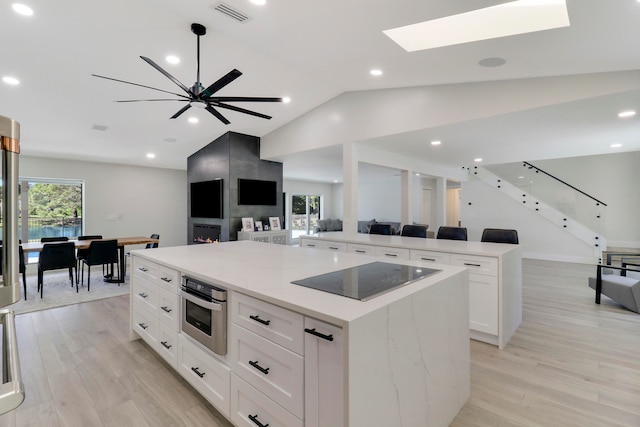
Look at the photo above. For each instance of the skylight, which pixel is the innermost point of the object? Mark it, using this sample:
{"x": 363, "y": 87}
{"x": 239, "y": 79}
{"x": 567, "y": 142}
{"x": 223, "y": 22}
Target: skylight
{"x": 507, "y": 19}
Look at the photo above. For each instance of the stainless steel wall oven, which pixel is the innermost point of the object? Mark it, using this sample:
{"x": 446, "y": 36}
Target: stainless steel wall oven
{"x": 204, "y": 314}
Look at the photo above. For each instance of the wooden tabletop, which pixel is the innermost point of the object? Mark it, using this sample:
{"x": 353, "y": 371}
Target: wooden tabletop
{"x": 84, "y": 244}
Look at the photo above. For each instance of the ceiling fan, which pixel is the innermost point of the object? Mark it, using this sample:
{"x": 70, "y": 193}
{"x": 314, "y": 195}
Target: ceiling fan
{"x": 197, "y": 95}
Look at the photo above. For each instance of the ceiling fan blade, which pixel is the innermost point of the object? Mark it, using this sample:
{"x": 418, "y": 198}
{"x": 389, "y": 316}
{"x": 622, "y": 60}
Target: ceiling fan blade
{"x": 180, "y": 111}
{"x": 220, "y": 117}
{"x": 167, "y": 75}
{"x": 220, "y": 83}
{"x": 242, "y": 99}
{"x": 140, "y": 100}
{"x": 242, "y": 110}
{"x": 137, "y": 84}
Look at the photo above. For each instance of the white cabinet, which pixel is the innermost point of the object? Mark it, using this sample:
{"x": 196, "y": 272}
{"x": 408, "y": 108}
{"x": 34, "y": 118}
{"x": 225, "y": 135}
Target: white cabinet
{"x": 324, "y": 244}
{"x": 250, "y": 408}
{"x": 205, "y": 373}
{"x": 324, "y": 374}
{"x": 361, "y": 249}
{"x": 430, "y": 256}
{"x": 278, "y": 237}
{"x": 392, "y": 253}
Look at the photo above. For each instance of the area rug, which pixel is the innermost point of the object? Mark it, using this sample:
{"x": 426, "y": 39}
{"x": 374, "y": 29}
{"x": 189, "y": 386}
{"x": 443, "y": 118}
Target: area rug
{"x": 58, "y": 291}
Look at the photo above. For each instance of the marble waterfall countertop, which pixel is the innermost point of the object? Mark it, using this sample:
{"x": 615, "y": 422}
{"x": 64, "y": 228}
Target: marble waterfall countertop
{"x": 266, "y": 271}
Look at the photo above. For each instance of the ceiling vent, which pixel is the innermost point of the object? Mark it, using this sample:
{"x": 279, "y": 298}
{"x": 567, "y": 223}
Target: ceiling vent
{"x": 230, "y": 12}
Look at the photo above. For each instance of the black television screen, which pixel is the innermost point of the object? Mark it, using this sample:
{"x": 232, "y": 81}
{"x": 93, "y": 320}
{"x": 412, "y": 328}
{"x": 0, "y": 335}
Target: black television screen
{"x": 256, "y": 192}
{"x": 206, "y": 199}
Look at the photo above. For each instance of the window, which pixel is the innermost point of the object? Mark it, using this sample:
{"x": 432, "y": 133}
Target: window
{"x": 49, "y": 207}
{"x": 305, "y": 213}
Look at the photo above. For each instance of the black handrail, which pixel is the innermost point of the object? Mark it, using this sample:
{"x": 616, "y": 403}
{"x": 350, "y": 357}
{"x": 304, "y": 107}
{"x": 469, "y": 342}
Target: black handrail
{"x": 567, "y": 184}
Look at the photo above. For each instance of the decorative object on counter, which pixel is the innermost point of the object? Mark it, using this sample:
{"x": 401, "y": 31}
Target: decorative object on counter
{"x": 274, "y": 223}
{"x": 247, "y": 224}
{"x": 266, "y": 227}
{"x": 258, "y": 226}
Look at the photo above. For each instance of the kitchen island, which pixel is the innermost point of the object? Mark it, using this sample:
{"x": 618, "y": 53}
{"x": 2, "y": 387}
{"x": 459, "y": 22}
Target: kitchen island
{"x": 303, "y": 357}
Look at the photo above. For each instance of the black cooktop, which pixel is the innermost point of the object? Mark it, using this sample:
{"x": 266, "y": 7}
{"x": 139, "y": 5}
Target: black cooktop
{"x": 366, "y": 281}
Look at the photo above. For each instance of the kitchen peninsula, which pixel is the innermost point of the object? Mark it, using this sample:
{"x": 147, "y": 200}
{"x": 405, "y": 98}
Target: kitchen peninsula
{"x": 299, "y": 356}
{"x": 495, "y": 273}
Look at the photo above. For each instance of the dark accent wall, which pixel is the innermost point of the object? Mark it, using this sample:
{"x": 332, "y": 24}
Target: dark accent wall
{"x": 232, "y": 156}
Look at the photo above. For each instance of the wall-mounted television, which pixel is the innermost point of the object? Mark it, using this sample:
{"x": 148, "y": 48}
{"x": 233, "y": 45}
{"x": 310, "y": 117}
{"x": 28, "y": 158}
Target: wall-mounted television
{"x": 206, "y": 199}
{"x": 257, "y": 192}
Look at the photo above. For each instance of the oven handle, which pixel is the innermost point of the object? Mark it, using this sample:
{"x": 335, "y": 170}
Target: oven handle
{"x": 213, "y": 306}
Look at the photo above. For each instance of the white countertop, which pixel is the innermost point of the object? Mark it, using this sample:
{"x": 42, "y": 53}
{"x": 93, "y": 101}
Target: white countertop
{"x": 440, "y": 245}
{"x": 265, "y": 271}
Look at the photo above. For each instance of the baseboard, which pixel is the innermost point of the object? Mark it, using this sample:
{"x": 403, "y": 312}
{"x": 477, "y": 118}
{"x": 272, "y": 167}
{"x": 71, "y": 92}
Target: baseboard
{"x": 561, "y": 258}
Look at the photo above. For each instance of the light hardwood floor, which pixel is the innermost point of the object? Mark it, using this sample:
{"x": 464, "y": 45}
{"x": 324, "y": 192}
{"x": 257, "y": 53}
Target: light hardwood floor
{"x": 571, "y": 363}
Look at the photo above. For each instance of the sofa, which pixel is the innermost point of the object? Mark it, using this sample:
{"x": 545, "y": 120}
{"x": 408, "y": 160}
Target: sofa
{"x": 364, "y": 226}
{"x": 328, "y": 225}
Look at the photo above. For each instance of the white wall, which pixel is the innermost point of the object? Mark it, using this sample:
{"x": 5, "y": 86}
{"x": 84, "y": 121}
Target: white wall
{"x": 123, "y": 200}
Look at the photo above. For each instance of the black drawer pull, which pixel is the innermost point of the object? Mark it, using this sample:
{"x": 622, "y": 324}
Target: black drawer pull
{"x": 390, "y": 254}
{"x": 198, "y": 373}
{"x": 166, "y": 279}
{"x": 143, "y": 269}
{"x": 259, "y": 320}
{"x": 472, "y": 265}
{"x": 258, "y": 367}
{"x": 165, "y": 345}
{"x": 254, "y": 418}
{"x": 309, "y": 245}
{"x": 360, "y": 251}
{"x": 166, "y": 309}
{"x": 318, "y": 334}
{"x": 143, "y": 295}
{"x": 142, "y": 325}
{"x": 428, "y": 259}
{"x": 333, "y": 248}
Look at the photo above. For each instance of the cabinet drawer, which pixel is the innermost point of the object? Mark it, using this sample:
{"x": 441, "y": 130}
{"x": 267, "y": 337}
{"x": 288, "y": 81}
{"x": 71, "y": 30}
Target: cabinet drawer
{"x": 169, "y": 309}
{"x": 145, "y": 293}
{"x": 361, "y": 249}
{"x": 250, "y": 407}
{"x": 145, "y": 323}
{"x": 274, "y": 323}
{"x": 274, "y": 370}
{"x": 210, "y": 377}
{"x": 324, "y": 244}
{"x": 157, "y": 274}
{"x": 483, "y": 303}
{"x": 393, "y": 253}
{"x": 167, "y": 344}
{"x": 477, "y": 264}
{"x": 429, "y": 256}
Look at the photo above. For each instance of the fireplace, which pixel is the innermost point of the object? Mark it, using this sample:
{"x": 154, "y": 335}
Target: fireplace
{"x": 206, "y": 233}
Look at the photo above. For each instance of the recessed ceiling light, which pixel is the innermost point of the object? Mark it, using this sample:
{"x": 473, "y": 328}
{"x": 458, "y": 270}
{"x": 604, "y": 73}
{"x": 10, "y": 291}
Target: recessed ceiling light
{"x": 492, "y": 62}
{"x": 507, "y": 19}
{"x": 22, "y": 9}
{"x": 259, "y": 2}
{"x": 616, "y": 145}
{"x": 521, "y": 177}
{"x": 335, "y": 181}
{"x": 286, "y": 100}
{"x": 193, "y": 120}
{"x": 477, "y": 160}
{"x": 375, "y": 72}
{"x": 10, "y": 80}
{"x": 172, "y": 59}
{"x": 151, "y": 156}
{"x": 417, "y": 174}
{"x": 625, "y": 114}
{"x": 436, "y": 142}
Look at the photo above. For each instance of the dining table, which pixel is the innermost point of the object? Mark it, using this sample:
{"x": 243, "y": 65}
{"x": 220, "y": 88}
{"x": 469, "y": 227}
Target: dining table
{"x": 84, "y": 244}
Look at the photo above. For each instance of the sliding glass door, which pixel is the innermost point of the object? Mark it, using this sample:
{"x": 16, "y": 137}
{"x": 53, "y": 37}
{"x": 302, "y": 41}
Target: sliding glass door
{"x": 305, "y": 213}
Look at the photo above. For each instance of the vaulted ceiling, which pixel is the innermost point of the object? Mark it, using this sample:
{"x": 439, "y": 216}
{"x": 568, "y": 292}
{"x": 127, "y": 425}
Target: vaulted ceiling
{"x": 308, "y": 51}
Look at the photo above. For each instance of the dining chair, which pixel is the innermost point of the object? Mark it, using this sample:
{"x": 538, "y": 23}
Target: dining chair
{"x": 152, "y": 245}
{"x": 414, "y": 230}
{"x": 378, "y": 228}
{"x": 22, "y": 268}
{"x": 56, "y": 256}
{"x": 499, "y": 235}
{"x": 452, "y": 233}
{"x": 54, "y": 239}
{"x": 82, "y": 253}
{"x": 100, "y": 252}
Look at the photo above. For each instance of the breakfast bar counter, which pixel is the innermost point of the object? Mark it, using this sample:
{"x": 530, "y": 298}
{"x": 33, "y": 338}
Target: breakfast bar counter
{"x": 299, "y": 356}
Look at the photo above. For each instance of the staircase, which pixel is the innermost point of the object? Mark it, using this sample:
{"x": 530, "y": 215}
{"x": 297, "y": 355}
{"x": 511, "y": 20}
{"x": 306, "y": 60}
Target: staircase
{"x": 570, "y": 215}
